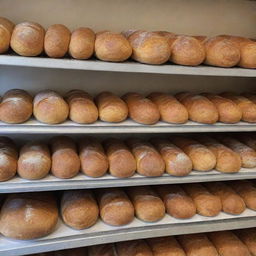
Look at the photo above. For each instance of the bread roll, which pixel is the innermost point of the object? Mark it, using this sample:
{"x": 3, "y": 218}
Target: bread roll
{"x": 202, "y": 158}
{"x": 82, "y": 108}
{"x": 28, "y": 215}
{"x": 206, "y": 203}
{"x": 228, "y": 244}
{"x": 221, "y": 52}
{"x": 6, "y": 28}
{"x": 197, "y": 245}
{"x": 8, "y": 159}
{"x": 227, "y": 160}
{"x": 79, "y": 209}
{"x": 65, "y": 160}
{"x": 247, "y": 191}
{"x": 200, "y": 109}
{"x": 50, "y": 107}
{"x": 248, "y": 237}
{"x": 247, "y": 139}
{"x": 111, "y": 107}
{"x": 71, "y": 252}
{"x": 250, "y": 96}
{"x": 149, "y": 47}
{"x": 202, "y": 39}
{"x": 165, "y": 246}
{"x": 232, "y": 203}
{"x": 94, "y": 162}
{"x": 34, "y": 161}
{"x": 149, "y": 161}
{"x": 171, "y": 110}
{"x": 56, "y": 41}
{"x": 122, "y": 163}
{"x": 141, "y": 110}
{"x": 102, "y": 250}
{"x": 188, "y": 51}
{"x": 247, "y": 154}
{"x": 147, "y": 204}
{"x": 110, "y": 46}
{"x": 28, "y": 39}
{"x": 82, "y": 43}
{"x": 247, "y": 107}
{"x": 16, "y": 106}
{"x": 177, "y": 163}
{"x": 228, "y": 110}
{"x": 133, "y": 248}
{"x": 115, "y": 207}
{"x": 177, "y": 203}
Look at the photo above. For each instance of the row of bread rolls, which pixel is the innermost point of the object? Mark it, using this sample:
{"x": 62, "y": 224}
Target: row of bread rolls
{"x": 222, "y": 243}
{"x": 31, "y": 39}
{"x": 17, "y": 106}
{"x": 176, "y": 156}
{"x": 33, "y": 215}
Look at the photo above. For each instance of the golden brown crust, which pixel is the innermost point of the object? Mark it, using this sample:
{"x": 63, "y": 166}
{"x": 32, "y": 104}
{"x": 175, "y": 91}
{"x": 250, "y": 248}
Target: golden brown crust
{"x": 6, "y": 28}
{"x": 248, "y": 237}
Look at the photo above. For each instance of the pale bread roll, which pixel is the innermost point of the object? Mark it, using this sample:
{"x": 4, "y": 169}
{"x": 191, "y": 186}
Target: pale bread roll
{"x": 141, "y": 110}
{"x": 228, "y": 161}
{"x": 56, "y": 41}
{"x": 206, "y": 203}
{"x": 228, "y": 110}
{"x": 82, "y": 43}
{"x": 202, "y": 158}
{"x": 149, "y": 161}
{"x": 248, "y": 237}
{"x": 79, "y": 209}
{"x": 102, "y": 250}
{"x": 171, "y": 110}
{"x": 50, "y": 107}
{"x": 177, "y": 202}
{"x": 82, "y": 108}
{"x": 28, "y": 39}
{"x": 165, "y": 246}
{"x": 6, "y": 28}
{"x": 16, "y": 106}
{"x": 94, "y": 162}
{"x": 111, "y": 107}
{"x": 110, "y": 46}
{"x": 116, "y": 208}
{"x": 122, "y": 163}
{"x": 34, "y": 161}
{"x": 65, "y": 160}
{"x": 133, "y": 248}
{"x": 199, "y": 108}
{"x": 232, "y": 203}
{"x": 228, "y": 244}
{"x": 147, "y": 204}
{"x": 28, "y": 215}
{"x": 177, "y": 163}
{"x": 197, "y": 245}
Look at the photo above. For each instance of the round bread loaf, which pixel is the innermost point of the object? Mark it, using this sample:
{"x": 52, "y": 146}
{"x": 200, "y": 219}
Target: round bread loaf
{"x": 16, "y": 106}
{"x": 50, "y": 107}
{"x": 82, "y": 43}
{"x": 28, "y": 39}
{"x": 79, "y": 209}
{"x": 6, "y": 28}
{"x": 28, "y": 215}
{"x": 56, "y": 41}
{"x": 110, "y": 46}
{"x": 34, "y": 161}
{"x": 65, "y": 160}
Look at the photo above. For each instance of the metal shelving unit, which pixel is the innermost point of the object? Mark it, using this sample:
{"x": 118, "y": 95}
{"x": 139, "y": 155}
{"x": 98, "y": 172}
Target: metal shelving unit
{"x": 84, "y": 182}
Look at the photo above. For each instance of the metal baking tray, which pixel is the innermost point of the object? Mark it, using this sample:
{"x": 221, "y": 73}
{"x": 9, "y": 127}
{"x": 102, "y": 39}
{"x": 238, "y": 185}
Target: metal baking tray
{"x": 81, "y": 181}
{"x": 129, "y": 66}
{"x": 65, "y": 237}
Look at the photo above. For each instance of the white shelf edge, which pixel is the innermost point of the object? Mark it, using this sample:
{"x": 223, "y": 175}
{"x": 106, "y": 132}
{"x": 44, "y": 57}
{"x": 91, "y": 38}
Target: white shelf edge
{"x": 128, "y": 126}
{"x": 65, "y": 238}
{"x": 133, "y": 67}
{"x": 51, "y": 183}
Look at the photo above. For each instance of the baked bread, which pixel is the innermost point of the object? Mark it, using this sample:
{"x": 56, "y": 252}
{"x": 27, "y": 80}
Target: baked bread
{"x": 6, "y": 28}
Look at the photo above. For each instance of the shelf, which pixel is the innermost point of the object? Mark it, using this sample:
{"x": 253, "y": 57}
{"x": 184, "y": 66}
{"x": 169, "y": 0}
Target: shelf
{"x": 51, "y": 183}
{"x": 34, "y": 127}
{"x": 133, "y": 67}
{"x": 65, "y": 237}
